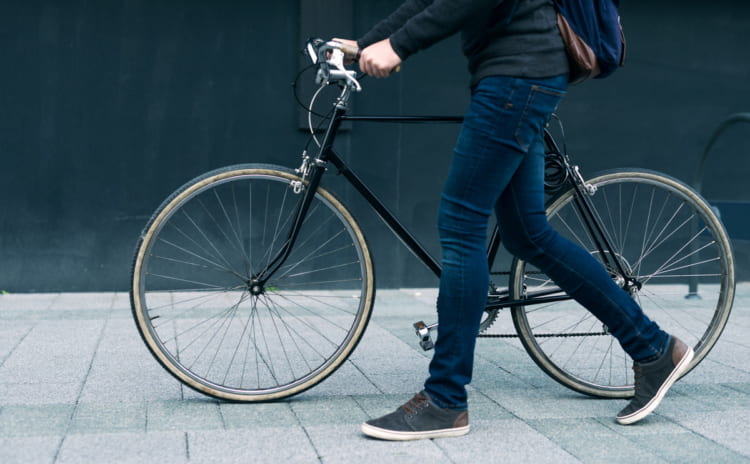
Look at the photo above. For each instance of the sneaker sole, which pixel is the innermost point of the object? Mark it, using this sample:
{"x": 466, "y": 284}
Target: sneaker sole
{"x": 395, "y": 435}
{"x": 680, "y": 369}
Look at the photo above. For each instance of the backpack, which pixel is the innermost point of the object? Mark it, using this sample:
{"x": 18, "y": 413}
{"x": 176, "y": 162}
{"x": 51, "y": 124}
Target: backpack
{"x": 593, "y": 37}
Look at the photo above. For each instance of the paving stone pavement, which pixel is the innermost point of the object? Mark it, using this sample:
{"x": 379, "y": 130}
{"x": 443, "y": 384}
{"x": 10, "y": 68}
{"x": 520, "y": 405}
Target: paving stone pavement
{"x": 78, "y": 386}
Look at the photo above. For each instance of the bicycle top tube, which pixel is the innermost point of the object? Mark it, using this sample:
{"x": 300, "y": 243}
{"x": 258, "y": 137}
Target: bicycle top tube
{"x": 405, "y": 119}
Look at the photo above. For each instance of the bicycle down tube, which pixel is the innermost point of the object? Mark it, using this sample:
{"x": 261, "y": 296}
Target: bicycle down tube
{"x": 327, "y": 154}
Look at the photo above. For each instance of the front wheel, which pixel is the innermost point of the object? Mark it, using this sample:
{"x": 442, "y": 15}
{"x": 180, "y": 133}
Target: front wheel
{"x": 665, "y": 236}
{"x": 200, "y": 309}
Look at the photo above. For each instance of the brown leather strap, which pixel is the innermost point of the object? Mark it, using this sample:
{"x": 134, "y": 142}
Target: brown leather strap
{"x": 582, "y": 60}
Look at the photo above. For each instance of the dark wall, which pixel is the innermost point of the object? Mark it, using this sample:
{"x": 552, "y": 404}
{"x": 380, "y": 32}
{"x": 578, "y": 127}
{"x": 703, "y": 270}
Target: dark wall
{"x": 109, "y": 106}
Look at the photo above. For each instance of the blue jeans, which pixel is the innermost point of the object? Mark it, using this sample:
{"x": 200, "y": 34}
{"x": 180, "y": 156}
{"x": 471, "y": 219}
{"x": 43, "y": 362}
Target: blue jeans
{"x": 498, "y": 164}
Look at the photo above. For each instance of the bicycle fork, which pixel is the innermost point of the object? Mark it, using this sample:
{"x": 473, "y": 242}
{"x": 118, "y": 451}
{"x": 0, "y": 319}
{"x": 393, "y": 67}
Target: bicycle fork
{"x": 311, "y": 172}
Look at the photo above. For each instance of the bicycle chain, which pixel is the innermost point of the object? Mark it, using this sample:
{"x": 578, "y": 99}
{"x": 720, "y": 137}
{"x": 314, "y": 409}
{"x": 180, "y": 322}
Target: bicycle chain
{"x": 544, "y": 335}
{"x": 547, "y": 335}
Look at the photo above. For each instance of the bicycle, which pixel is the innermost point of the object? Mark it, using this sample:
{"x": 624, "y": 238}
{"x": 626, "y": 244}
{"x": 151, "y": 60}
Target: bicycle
{"x": 254, "y": 282}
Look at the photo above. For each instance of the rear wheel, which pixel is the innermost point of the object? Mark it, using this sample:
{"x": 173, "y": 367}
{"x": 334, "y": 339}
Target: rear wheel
{"x": 668, "y": 238}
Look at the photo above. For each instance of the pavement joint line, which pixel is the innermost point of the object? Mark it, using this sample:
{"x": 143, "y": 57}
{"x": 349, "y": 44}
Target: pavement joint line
{"x": 187, "y": 445}
{"x": 52, "y": 301}
{"x": 305, "y": 431}
{"x": 80, "y": 391}
{"x": 364, "y": 375}
{"x": 15, "y": 347}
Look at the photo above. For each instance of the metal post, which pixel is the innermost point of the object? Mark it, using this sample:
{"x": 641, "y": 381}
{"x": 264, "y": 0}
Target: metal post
{"x": 698, "y": 177}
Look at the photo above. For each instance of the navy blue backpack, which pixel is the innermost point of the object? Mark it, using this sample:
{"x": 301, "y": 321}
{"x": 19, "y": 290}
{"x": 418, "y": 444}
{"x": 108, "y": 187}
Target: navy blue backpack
{"x": 593, "y": 37}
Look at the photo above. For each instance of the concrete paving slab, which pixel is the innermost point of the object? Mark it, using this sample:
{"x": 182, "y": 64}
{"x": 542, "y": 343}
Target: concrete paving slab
{"x": 29, "y": 449}
{"x": 39, "y": 393}
{"x": 96, "y": 418}
{"x": 728, "y": 428}
{"x": 688, "y": 448}
{"x": 35, "y": 420}
{"x": 164, "y": 447}
{"x": 593, "y": 440}
{"x": 27, "y": 301}
{"x": 323, "y": 410}
{"x": 263, "y": 415}
{"x": 343, "y": 444}
{"x": 183, "y": 415}
{"x": 265, "y": 445}
{"x": 509, "y": 440}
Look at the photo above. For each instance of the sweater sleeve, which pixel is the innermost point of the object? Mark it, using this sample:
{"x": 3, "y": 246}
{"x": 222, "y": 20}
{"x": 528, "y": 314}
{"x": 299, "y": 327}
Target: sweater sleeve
{"x": 436, "y": 21}
{"x": 393, "y": 22}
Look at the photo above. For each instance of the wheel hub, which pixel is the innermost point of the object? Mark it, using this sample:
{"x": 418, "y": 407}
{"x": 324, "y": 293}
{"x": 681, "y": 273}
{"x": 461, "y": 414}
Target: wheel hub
{"x": 626, "y": 282}
{"x": 255, "y": 287}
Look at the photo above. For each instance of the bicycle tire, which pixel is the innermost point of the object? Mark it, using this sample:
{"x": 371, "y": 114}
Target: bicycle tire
{"x": 195, "y": 307}
{"x": 665, "y": 233}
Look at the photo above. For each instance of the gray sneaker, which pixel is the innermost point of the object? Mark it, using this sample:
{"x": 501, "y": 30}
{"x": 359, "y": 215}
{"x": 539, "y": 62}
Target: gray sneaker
{"x": 652, "y": 380}
{"x": 417, "y": 419}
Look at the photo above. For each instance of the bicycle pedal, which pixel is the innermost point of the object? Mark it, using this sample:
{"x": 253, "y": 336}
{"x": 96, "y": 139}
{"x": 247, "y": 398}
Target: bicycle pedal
{"x": 423, "y": 332}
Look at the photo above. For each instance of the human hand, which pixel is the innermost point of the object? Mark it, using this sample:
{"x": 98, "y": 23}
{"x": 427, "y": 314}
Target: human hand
{"x": 379, "y": 59}
{"x": 350, "y": 50}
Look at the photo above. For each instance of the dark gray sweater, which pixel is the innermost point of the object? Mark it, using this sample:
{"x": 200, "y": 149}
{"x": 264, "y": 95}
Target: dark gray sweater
{"x": 498, "y": 37}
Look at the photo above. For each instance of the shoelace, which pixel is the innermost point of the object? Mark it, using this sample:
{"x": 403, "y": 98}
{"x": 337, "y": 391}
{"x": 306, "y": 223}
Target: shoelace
{"x": 415, "y": 404}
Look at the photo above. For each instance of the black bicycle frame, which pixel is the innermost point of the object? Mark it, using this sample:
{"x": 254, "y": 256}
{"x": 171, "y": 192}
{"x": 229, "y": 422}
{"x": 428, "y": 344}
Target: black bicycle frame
{"x": 327, "y": 155}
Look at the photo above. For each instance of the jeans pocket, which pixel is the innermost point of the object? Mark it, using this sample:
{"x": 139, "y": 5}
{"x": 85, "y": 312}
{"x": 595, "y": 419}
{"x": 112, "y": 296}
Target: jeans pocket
{"x": 540, "y": 105}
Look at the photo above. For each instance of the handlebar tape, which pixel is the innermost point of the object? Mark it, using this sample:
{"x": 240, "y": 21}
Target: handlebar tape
{"x": 355, "y": 52}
